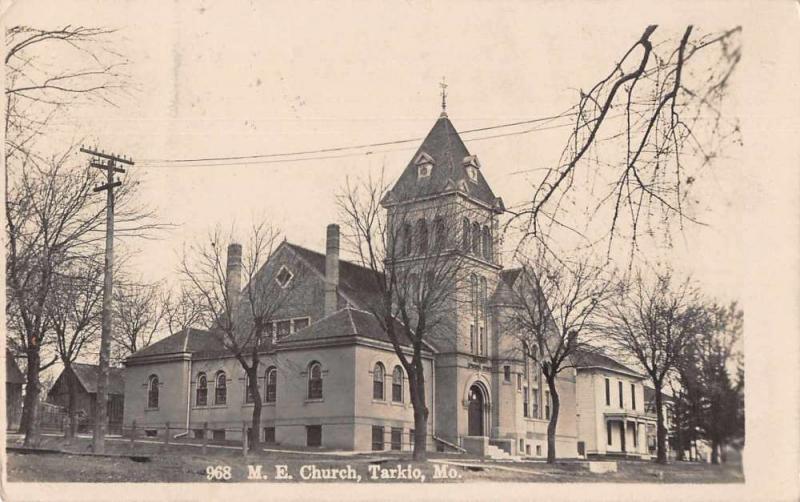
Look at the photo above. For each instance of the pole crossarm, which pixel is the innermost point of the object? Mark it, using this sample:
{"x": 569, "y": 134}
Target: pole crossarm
{"x": 107, "y": 156}
{"x": 107, "y": 186}
{"x": 110, "y": 164}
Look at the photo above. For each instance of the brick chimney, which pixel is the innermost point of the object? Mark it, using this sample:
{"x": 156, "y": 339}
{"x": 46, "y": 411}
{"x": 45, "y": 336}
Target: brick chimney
{"x": 331, "y": 268}
{"x": 233, "y": 273}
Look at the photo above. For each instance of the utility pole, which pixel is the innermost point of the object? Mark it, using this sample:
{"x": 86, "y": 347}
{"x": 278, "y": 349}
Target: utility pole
{"x": 107, "y": 162}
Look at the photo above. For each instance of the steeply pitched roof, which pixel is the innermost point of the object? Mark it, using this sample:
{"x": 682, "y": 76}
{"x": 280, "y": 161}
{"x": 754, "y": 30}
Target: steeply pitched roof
{"x": 504, "y": 294}
{"x": 444, "y": 146}
{"x": 87, "y": 376}
{"x": 355, "y": 282}
{"x": 345, "y": 322}
{"x": 196, "y": 341}
{"x": 13, "y": 373}
{"x": 584, "y": 359}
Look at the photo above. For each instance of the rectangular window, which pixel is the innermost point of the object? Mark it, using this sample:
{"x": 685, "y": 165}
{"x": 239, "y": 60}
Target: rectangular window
{"x": 218, "y": 435}
{"x": 269, "y": 435}
{"x": 621, "y": 400}
{"x": 519, "y": 381}
{"x": 472, "y": 339}
{"x": 547, "y": 405}
{"x": 377, "y": 438}
{"x": 525, "y": 402}
{"x": 482, "y": 341}
{"x": 300, "y": 323}
{"x": 536, "y": 404}
{"x": 608, "y": 392}
{"x": 538, "y": 450}
{"x": 151, "y": 433}
{"x": 397, "y": 438}
{"x": 284, "y": 328}
{"x": 635, "y": 435}
{"x": 633, "y": 396}
{"x": 313, "y": 435}
{"x": 507, "y": 374}
{"x": 608, "y": 432}
{"x": 528, "y": 450}
{"x": 521, "y": 444}
{"x": 199, "y": 433}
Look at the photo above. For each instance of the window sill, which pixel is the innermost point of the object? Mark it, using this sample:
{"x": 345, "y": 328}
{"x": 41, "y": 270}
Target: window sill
{"x": 315, "y": 400}
{"x": 150, "y": 409}
{"x": 209, "y": 407}
{"x": 378, "y": 401}
{"x": 269, "y": 403}
{"x": 399, "y": 404}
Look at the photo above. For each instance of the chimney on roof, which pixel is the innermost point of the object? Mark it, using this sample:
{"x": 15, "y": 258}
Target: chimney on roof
{"x": 233, "y": 273}
{"x": 331, "y": 268}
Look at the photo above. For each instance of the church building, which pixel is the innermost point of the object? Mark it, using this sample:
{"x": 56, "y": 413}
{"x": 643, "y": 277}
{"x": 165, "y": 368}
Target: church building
{"x": 331, "y": 378}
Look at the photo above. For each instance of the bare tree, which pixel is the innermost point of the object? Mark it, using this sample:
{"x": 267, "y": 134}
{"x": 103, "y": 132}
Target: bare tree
{"x": 139, "y": 314}
{"x": 652, "y": 320}
{"x": 74, "y": 314}
{"x": 181, "y": 309}
{"x": 643, "y": 135}
{"x": 553, "y": 315}
{"x": 417, "y": 269}
{"x": 241, "y": 319}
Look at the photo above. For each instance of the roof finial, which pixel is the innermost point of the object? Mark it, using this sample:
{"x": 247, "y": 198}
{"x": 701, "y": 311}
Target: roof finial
{"x": 443, "y": 85}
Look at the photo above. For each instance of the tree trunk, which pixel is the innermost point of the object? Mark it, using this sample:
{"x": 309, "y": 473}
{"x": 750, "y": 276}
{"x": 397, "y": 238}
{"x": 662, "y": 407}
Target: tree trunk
{"x": 551, "y": 426}
{"x": 30, "y": 413}
{"x": 253, "y": 440}
{"x": 714, "y": 451}
{"x": 417, "y": 388}
{"x": 661, "y": 431}
{"x": 72, "y": 405}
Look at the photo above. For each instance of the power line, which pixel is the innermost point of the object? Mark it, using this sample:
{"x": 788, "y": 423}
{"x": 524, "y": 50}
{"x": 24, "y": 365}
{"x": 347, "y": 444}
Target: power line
{"x": 255, "y": 159}
{"x": 564, "y": 114}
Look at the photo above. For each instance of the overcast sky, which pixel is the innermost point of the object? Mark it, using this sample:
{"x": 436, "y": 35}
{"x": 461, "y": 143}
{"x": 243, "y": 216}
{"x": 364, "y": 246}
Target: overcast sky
{"x": 246, "y": 78}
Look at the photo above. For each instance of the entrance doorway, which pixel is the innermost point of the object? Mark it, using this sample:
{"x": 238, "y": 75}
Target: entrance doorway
{"x": 475, "y": 417}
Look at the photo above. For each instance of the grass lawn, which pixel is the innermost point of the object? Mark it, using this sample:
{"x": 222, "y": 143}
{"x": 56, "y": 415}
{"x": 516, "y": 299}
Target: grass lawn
{"x": 183, "y": 463}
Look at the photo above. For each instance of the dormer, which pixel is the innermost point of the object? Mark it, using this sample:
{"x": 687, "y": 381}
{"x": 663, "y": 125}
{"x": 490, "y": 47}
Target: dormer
{"x": 424, "y": 163}
{"x": 471, "y": 164}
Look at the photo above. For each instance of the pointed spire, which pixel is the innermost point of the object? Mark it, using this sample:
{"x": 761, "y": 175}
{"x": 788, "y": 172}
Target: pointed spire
{"x": 443, "y": 85}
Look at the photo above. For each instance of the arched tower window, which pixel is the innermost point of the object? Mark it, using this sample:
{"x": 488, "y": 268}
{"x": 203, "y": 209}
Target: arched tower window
{"x": 476, "y": 239}
{"x": 220, "y": 389}
{"x": 377, "y": 381}
{"x": 483, "y": 318}
{"x": 407, "y": 241}
{"x": 201, "y": 395}
{"x": 440, "y": 243}
{"x": 152, "y": 392}
{"x": 314, "y": 381}
{"x": 473, "y": 304}
{"x": 487, "y": 243}
{"x": 465, "y": 234}
{"x": 422, "y": 236}
{"x": 272, "y": 377}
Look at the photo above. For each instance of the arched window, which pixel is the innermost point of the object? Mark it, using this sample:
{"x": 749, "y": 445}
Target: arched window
{"x": 272, "y": 377}
{"x": 483, "y": 316}
{"x": 487, "y": 243}
{"x": 407, "y": 240}
{"x": 152, "y": 392}
{"x": 422, "y": 236}
{"x": 250, "y": 389}
{"x": 440, "y": 243}
{"x": 465, "y": 235}
{"x": 397, "y": 385}
{"x": 314, "y": 381}
{"x": 476, "y": 239}
{"x": 220, "y": 389}
{"x": 473, "y": 306}
{"x": 201, "y": 395}
{"x": 377, "y": 382}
